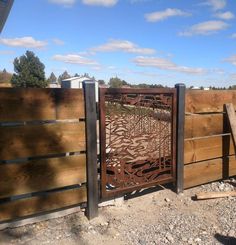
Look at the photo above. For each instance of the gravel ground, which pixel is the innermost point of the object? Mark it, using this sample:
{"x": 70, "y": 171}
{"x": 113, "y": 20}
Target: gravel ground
{"x": 160, "y": 217}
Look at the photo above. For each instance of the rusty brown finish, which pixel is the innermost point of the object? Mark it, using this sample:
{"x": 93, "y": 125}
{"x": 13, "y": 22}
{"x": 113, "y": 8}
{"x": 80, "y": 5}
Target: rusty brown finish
{"x": 38, "y": 204}
{"x": 200, "y": 125}
{"x": 102, "y": 135}
{"x": 20, "y": 104}
{"x": 205, "y": 148}
{"x": 135, "y": 120}
{"x": 41, "y": 175}
{"x": 207, "y": 171}
{"x": 208, "y": 101}
{"x": 37, "y": 140}
{"x": 114, "y": 194}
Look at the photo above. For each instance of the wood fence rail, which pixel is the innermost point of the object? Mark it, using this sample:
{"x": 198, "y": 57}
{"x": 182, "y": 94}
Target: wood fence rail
{"x": 209, "y": 153}
{"x": 43, "y": 152}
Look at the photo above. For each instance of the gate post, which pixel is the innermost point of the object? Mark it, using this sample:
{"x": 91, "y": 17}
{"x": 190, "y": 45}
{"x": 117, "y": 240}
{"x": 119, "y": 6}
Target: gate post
{"x": 180, "y": 136}
{"x": 91, "y": 149}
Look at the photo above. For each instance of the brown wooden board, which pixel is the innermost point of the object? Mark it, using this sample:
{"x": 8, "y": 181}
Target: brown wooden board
{"x": 232, "y": 120}
{"x": 207, "y": 171}
{"x": 205, "y": 148}
{"x": 198, "y": 101}
{"x": 200, "y": 125}
{"x": 41, "y": 175}
{"x": 34, "y": 205}
{"x": 20, "y": 104}
{"x": 36, "y": 140}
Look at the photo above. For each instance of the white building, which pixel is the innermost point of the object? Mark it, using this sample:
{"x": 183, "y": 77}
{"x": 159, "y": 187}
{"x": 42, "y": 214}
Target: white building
{"x": 77, "y": 82}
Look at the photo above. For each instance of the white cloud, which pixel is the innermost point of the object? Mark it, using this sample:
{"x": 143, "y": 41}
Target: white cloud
{"x": 231, "y": 59}
{"x": 74, "y": 59}
{"x": 165, "y": 64}
{"x": 26, "y": 42}
{"x": 225, "y": 15}
{"x": 216, "y": 4}
{"x": 66, "y": 3}
{"x": 233, "y": 35}
{"x": 165, "y": 14}
{"x": 105, "y": 3}
{"x": 58, "y": 42}
{"x": 122, "y": 45}
{"x": 205, "y": 28}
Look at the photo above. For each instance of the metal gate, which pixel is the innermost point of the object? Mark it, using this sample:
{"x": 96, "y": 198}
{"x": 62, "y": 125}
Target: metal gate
{"x": 137, "y": 139}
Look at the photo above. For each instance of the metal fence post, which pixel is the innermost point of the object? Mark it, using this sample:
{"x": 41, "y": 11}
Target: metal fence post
{"x": 180, "y": 136}
{"x": 91, "y": 149}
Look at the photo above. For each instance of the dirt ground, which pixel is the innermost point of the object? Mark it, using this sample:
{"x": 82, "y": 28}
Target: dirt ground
{"x": 160, "y": 217}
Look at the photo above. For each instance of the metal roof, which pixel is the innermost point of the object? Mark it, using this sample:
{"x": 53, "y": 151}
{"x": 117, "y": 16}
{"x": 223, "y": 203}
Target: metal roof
{"x": 5, "y": 7}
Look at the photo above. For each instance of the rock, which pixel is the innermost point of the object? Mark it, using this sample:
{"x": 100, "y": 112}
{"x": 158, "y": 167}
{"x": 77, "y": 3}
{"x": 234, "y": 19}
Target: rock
{"x": 169, "y": 238}
{"x": 167, "y": 199}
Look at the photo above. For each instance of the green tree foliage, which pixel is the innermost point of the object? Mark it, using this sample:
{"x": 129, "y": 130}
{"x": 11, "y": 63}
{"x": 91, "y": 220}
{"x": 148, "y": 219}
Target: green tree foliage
{"x": 101, "y": 82}
{"x": 116, "y": 82}
{"x": 63, "y": 76}
{"x": 29, "y": 72}
{"x": 52, "y": 78}
{"x": 5, "y": 77}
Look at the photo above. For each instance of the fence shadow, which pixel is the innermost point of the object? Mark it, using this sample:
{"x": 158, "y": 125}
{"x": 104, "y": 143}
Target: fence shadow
{"x": 225, "y": 240}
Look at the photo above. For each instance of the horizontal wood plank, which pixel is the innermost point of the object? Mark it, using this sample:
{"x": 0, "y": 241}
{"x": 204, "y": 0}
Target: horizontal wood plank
{"x": 35, "y": 205}
{"x": 37, "y": 140}
{"x": 198, "y": 101}
{"x": 21, "y": 104}
{"x": 207, "y": 171}
{"x": 200, "y": 125}
{"x": 206, "y": 148}
{"x": 41, "y": 175}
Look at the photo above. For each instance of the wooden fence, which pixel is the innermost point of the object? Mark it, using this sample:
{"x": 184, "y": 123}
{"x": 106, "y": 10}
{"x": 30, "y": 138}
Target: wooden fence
{"x": 48, "y": 147}
{"x": 42, "y": 151}
{"x": 209, "y": 152}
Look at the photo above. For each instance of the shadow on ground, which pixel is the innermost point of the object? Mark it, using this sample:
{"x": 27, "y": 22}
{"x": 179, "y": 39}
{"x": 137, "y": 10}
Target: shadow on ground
{"x": 225, "y": 240}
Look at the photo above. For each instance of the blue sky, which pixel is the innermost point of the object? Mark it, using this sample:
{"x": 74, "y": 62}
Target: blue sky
{"x": 141, "y": 41}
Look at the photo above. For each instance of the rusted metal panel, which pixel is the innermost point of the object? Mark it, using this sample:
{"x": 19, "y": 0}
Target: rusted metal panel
{"x": 137, "y": 137}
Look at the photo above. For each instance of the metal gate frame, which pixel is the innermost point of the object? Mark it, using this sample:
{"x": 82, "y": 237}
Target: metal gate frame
{"x": 102, "y": 92}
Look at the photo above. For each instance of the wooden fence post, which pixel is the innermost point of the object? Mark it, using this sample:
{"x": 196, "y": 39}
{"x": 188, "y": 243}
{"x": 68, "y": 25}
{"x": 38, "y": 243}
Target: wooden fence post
{"x": 91, "y": 149}
{"x": 180, "y": 120}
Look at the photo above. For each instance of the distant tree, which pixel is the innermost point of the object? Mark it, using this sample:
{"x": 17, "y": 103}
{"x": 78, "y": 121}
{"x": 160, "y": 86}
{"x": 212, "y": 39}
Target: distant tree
{"x": 233, "y": 87}
{"x": 76, "y": 75}
{"x": 52, "y": 78}
{"x": 5, "y": 77}
{"x": 142, "y": 85}
{"x": 116, "y": 82}
{"x": 101, "y": 82}
{"x": 156, "y": 86}
{"x": 63, "y": 76}
{"x": 29, "y": 72}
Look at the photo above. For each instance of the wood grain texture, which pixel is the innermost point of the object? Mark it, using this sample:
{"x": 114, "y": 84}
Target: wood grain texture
{"x": 205, "y": 148}
{"x": 37, "y": 140}
{"x": 208, "y": 101}
{"x": 207, "y": 171}
{"x": 232, "y": 120}
{"x": 41, "y": 175}
{"x": 213, "y": 195}
{"x": 20, "y": 104}
{"x": 48, "y": 202}
{"x": 200, "y": 125}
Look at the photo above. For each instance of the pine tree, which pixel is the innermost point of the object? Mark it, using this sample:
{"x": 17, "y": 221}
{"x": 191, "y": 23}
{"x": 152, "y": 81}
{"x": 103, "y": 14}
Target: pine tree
{"x": 29, "y": 72}
{"x": 52, "y": 78}
{"x": 63, "y": 76}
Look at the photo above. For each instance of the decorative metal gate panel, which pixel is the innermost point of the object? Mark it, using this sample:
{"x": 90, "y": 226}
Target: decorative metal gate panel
{"x": 137, "y": 139}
